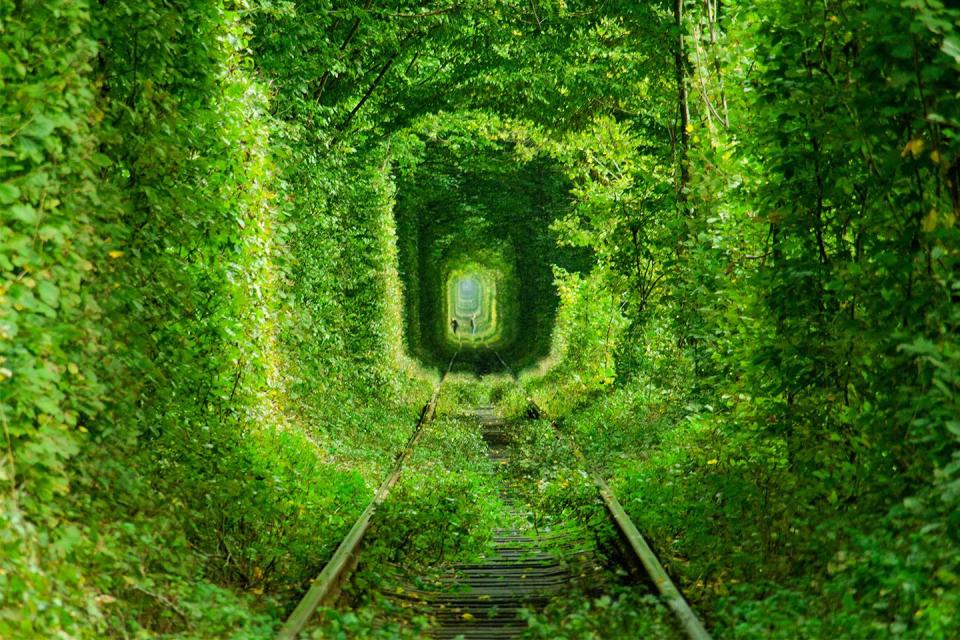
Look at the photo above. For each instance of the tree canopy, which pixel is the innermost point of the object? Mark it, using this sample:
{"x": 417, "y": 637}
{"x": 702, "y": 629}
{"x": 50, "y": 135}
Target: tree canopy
{"x": 727, "y": 237}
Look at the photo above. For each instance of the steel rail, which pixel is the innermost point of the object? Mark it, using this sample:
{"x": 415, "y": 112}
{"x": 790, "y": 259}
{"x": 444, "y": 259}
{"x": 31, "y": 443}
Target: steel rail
{"x": 636, "y": 543}
{"x": 668, "y": 591}
{"x": 326, "y": 587}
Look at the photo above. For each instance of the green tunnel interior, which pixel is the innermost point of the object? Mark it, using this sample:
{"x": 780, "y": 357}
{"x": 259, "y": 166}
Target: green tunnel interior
{"x": 476, "y": 247}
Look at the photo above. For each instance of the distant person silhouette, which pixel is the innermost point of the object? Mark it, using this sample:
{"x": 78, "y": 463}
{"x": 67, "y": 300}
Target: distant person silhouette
{"x": 454, "y": 325}
{"x": 473, "y": 324}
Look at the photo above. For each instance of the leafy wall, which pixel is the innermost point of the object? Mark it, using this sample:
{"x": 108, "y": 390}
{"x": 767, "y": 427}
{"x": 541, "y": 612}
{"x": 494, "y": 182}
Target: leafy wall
{"x": 783, "y": 267}
{"x": 180, "y": 353}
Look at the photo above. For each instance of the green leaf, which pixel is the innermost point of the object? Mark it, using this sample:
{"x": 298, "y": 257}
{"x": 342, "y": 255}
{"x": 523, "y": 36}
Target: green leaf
{"x": 49, "y": 293}
{"x": 9, "y": 193}
{"x": 40, "y": 127}
{"x": 102, "y": 160}
{"x": 24, "y": 213}
{"x": 951, "y": 47}
{"x": 953, "y": 426}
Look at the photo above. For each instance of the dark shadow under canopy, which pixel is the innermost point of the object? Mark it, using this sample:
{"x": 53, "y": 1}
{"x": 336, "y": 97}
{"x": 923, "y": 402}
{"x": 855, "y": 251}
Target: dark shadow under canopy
{"x": 479, "y": 210}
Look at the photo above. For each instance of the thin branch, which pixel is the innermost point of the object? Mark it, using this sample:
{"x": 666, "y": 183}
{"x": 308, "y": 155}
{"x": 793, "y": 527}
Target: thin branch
{"x": 346, "y": 42}
{"x": 369, "y": 92}
{"x": 425, "y": 14}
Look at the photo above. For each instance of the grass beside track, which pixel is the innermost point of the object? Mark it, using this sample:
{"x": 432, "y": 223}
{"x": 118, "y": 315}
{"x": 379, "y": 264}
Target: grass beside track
{"x": 455, "y": 498}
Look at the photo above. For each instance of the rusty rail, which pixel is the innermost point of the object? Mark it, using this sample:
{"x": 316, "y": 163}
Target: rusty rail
{"x": 326, "y": 586}
{"x": 637, "y": 544}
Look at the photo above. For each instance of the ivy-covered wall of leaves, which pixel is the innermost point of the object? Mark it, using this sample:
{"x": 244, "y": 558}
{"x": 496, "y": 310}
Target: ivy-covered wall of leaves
{"x": 190, "y": 307}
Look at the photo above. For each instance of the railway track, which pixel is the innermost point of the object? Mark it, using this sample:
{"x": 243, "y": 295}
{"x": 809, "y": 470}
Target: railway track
{"x": 526, "y": 567}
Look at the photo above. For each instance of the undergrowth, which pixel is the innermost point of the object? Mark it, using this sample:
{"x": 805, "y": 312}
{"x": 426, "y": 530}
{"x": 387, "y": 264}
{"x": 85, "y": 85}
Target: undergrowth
{"x": 443, "y": 510}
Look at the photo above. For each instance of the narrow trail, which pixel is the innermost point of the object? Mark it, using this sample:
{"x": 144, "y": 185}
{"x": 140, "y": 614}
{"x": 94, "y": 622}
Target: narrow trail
{"x": 525, "y": 568}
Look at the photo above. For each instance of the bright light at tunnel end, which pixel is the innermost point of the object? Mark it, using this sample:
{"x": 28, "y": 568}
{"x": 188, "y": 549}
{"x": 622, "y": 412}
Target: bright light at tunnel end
{"x": 471, "y": 304}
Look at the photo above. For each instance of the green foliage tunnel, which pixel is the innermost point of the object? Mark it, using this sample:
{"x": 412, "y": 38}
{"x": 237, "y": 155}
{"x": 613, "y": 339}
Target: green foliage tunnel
{"x": 725, "y": 244}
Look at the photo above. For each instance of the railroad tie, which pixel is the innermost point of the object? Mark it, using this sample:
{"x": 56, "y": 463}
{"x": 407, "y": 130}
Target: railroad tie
{"x": 525, "y": 569}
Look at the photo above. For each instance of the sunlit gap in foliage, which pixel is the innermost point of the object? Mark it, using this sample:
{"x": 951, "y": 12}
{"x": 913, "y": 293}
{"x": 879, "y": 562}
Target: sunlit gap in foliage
{"x": 471, "y": 301}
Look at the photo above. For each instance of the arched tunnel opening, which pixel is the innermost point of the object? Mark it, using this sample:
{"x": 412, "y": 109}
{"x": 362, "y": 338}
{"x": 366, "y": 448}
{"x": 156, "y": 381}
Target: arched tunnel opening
{"x": 472, "y": 306}
{"x": 477, "y": 252}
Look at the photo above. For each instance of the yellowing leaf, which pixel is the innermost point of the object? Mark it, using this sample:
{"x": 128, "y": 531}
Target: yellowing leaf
{"x": 914, "y": 148}
{"x": 115, "y": 254}
{"x": 929, "y": 222}
{"x": 935, "y": 157}
{"x": 713, "y": 461}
